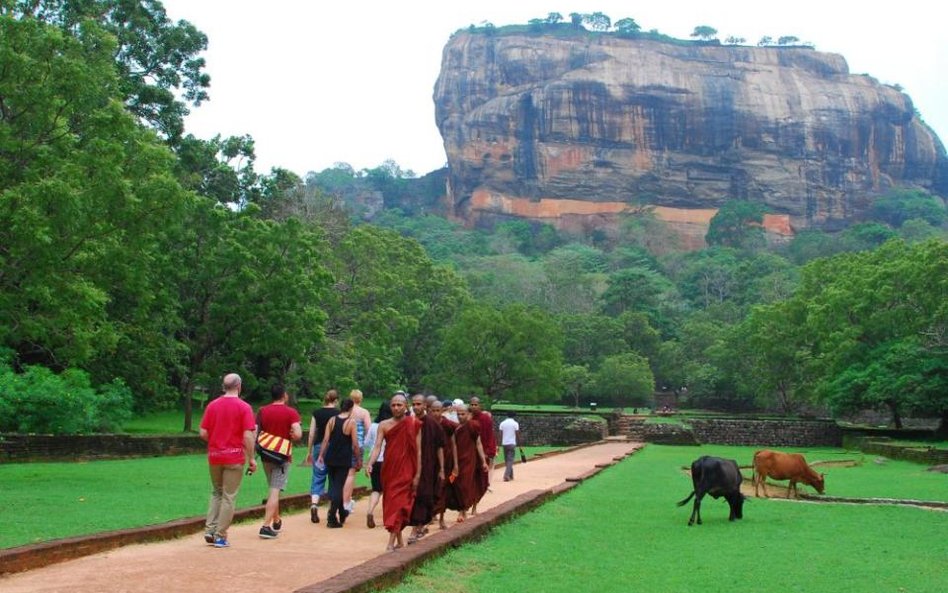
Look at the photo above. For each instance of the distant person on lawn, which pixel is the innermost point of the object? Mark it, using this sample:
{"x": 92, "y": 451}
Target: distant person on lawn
{"x": 228, "y": 427}
{"x": 400, "y": 436}
{"x": 509, "y": 440}
{"x": 280, "y": 420}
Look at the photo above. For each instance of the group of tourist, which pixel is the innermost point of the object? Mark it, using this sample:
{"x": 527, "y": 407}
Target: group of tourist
{"x": 425, "y": 457}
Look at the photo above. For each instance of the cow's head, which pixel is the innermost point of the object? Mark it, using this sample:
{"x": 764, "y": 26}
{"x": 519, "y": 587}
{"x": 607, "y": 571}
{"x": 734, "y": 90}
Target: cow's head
{"x": 819, "y": 483}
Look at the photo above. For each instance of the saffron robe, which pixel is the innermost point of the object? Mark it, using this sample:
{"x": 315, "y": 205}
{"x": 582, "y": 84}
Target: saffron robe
{"x": 471, "y": 483}
{"x": 429, "y": 484}
{"x": 398, "y": 471}
{"x": 441, "y": 500}
{"x": 488, "y": 439}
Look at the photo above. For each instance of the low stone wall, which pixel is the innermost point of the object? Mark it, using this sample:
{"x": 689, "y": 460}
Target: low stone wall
{"x": 924, "y": 455}
{"x": 45, "y": 447}
{"x": 736, "y": 431}
{"x": 542, "y": 430}
{"x": 666, "y": 434}
{"x": 771, "y": 433}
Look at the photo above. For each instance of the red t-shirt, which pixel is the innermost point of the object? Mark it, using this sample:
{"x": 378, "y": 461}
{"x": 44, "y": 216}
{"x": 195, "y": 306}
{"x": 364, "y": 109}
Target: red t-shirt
{"x": 278, "y": 419}
{"x": 225, "y": 420}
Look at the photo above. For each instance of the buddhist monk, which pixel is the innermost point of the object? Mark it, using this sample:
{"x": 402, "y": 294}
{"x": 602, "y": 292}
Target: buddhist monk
{"x": 450, "y": 453}
{"x": 488, "y": 440}
{"x": 430, "y": 472}
{"x": 470, "y": 484}
{"x": 400, "y": 435}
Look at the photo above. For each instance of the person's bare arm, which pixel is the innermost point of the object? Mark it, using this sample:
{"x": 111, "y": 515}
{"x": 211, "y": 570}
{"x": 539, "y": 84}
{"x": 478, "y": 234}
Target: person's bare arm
{"x": 204, "y": 434}
{"x": 376, "y": 450}
{"x": 441, "y": 463}
{"x": 322, "y": 449}
{"x": 309, "y": 441}
{"x": 250, "y": 437}
{"x": 417, "y": 478}
{"x": 480, "y": 453}
{"x": 356, "y": 451}
{"x": 454, "y": 447}
{"x": 296, "y": 432}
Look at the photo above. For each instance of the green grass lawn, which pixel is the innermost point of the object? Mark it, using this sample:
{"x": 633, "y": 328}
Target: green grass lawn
{"x": 45, "y": 501}
{"x": 172, "y": 421}
{"x": 622, "y": 531}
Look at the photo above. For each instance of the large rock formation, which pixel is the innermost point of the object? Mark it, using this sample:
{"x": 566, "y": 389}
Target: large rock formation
{"x": 575, "y": 129}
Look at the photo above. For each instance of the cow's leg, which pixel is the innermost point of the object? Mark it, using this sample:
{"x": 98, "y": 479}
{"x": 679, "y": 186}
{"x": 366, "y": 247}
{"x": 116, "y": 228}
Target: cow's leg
{"x": 696, "y": 510}
{"x": 756, "y": 483}
{"x": 763, "y": 483}
{"x": 792, "y": 488}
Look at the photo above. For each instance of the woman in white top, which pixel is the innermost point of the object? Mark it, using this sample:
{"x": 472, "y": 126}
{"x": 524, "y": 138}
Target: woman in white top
{"x": 385, "y": 412}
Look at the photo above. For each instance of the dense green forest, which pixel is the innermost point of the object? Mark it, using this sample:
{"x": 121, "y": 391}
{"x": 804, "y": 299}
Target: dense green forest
{"x": 140, "y": 263}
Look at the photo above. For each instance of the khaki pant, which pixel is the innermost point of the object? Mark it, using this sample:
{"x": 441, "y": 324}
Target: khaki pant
{"x": 225, "y": 481}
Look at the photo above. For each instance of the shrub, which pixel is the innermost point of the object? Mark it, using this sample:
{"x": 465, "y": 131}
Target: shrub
{"x": 40, "y": 401}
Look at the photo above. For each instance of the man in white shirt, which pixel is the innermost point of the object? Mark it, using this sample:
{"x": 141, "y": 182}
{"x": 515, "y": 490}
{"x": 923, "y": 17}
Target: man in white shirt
{"x": 510, "y": 440}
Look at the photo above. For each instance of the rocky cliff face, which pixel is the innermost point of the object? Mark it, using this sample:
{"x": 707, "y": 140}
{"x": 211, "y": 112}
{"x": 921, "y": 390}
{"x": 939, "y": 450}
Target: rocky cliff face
{"x": 570, "y": 129}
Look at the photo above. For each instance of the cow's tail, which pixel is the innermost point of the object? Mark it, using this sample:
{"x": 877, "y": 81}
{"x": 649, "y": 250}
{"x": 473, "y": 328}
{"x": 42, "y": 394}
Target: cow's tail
{"x": 684, "y": 502}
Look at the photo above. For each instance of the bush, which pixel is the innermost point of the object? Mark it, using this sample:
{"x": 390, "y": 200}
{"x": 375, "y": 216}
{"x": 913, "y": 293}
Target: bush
{"x": 40, "y": 401}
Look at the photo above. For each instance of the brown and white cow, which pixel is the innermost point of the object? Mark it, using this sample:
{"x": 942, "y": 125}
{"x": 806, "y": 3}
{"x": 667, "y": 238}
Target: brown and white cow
{"x": 784, "y": 466}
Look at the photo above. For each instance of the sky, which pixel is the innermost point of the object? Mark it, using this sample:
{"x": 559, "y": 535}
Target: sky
{"x": 316, "y": 82}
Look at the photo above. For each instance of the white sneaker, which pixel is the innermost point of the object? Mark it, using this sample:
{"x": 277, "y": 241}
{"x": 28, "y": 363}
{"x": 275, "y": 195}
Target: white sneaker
{"x": 351, "y": 505}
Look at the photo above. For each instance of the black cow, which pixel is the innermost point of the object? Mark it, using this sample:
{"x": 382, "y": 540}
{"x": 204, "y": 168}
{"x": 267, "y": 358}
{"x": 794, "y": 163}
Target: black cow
{"x": 717, "y": 477}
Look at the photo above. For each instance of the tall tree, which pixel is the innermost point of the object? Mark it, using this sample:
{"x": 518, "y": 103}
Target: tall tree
{"x": 250, "y": 293}
{"x": 158, "y": 60}
{"x": 704, "y": 32}
{"x": 880, "y": 325}
{"x": 510, "y": 352}
{"x": 737, "y": 223}
{"x": 85, "y": 198}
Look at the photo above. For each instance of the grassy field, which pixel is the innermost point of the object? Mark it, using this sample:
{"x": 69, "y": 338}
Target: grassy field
{"x": 622, "y": 532}
{"x": 45, "y": 501}
{"x": 172, "y": 421}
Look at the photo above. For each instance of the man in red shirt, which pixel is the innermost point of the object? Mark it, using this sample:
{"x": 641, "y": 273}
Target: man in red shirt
{"x": 280, "y": 420}
{"x": 488, "y": 441}
{"x": 228, "y": 428}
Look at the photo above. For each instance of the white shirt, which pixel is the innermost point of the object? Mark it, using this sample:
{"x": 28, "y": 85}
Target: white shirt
{"x": 508, "y": 431}
{"x": 370, "y": 441}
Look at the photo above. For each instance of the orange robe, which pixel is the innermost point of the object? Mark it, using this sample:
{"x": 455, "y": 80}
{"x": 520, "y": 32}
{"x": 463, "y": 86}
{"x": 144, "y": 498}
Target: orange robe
{"x": 398, "y": 471}
{"x": 441, "y": 501}
{"x": 471, "y": 483}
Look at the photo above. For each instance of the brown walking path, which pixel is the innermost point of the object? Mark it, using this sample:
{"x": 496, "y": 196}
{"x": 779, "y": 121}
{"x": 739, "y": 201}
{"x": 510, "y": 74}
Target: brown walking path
{"x": 304, "y": 553}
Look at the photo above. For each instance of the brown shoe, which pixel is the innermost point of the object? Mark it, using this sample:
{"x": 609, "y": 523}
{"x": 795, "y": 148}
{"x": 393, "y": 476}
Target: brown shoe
{"x": 370, "y": 521}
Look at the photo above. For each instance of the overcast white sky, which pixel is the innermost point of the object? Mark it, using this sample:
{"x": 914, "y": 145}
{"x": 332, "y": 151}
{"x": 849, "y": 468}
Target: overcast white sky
{"x": 317, "y": 82}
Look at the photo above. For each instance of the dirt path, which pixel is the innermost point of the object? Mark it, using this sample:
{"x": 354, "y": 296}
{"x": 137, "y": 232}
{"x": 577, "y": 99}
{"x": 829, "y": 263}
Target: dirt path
{"x": 305, "y": 553}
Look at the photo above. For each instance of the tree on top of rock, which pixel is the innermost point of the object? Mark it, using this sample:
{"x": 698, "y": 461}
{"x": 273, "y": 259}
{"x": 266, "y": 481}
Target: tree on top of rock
{"x": 704, "y": 33}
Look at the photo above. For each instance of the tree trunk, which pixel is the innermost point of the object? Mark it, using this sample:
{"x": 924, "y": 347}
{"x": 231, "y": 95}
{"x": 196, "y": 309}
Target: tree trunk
{"x": 896, "y": 418}
{"x": 188, "y": 391}
{"x": 942, "y": 431}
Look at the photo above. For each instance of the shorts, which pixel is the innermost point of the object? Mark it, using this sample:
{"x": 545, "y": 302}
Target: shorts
{"x": 277, "y": 474}
{"x": 377, "y": 477}
{"x": 317, "y": 486}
